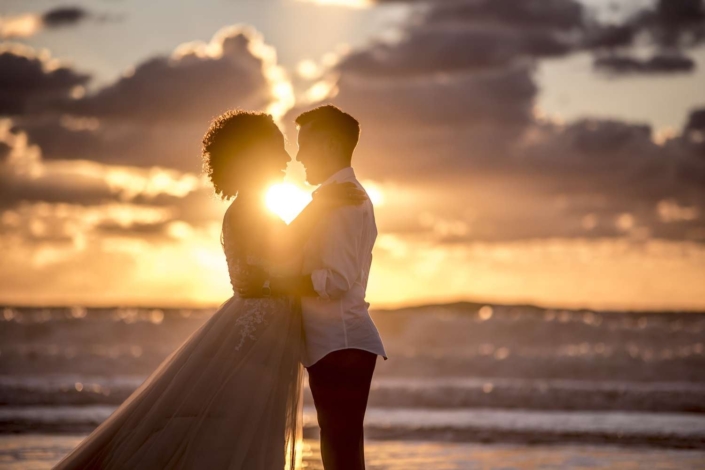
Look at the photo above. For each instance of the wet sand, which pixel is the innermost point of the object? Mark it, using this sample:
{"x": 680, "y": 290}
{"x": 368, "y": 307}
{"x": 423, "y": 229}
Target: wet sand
{"x": 464, "y": 425}
{"x": 41, "y": 451}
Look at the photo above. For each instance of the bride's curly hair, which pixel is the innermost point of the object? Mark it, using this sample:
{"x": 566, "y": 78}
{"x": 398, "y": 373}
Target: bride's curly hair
{"x": 224, "y": 143}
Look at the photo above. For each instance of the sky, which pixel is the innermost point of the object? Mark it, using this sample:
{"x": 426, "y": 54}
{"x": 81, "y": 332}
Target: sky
{"x": 542, "y": 151}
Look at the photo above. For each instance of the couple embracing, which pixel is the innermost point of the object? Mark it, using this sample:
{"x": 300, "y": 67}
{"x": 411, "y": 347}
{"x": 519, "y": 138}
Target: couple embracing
{"x": 230, "y": 397}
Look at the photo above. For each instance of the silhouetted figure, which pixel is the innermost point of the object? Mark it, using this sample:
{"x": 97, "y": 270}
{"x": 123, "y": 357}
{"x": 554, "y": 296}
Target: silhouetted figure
{"x": 230, "y": 396}
{"x": 341, "y": 340}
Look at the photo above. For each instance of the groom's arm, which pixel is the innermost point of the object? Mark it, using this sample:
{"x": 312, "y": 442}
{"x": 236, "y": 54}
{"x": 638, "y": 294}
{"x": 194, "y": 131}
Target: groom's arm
{"x": 290, "y": 239}
{"x": 339, "y": 255}
{"x": 339, "y": 262}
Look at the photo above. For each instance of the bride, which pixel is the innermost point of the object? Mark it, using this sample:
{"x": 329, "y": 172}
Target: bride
{"x": 229, "y": 397}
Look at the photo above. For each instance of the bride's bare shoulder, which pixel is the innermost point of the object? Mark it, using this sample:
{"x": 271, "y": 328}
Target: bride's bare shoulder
{"x": 245, "y": 216}
{"x": 236, "y": 213}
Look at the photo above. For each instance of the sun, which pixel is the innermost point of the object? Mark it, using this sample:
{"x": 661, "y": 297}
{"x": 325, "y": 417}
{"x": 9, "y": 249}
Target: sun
{"x": 287, "y": 200}
{"x": 344, "y": 3}
{"x": 374, "y": 192}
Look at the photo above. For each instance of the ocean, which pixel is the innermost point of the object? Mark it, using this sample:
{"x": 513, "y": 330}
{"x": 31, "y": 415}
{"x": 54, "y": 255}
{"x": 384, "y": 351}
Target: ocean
{"x": 466, "y": 386}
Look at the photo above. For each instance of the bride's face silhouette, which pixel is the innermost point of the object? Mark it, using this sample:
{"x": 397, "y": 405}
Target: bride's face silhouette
{"x": 266, "y": 161}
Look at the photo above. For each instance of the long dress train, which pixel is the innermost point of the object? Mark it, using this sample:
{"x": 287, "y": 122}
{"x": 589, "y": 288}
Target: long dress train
{"x": 228, "y": 398}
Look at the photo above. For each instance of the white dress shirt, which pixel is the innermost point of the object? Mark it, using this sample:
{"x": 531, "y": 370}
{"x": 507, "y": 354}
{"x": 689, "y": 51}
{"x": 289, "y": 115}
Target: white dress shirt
{"x": 338, "y": 256}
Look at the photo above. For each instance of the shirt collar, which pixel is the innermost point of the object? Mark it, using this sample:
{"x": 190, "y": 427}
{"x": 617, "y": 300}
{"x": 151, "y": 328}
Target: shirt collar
{"x": 345, "y": 174}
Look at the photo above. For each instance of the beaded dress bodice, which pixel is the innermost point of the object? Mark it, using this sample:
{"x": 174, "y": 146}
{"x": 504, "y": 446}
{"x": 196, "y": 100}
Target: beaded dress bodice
{"x": 237, "y": 256}
{"x": 255, "y": 313}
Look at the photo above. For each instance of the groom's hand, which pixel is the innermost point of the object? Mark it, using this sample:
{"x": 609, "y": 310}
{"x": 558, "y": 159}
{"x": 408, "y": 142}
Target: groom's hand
{"x": 339, "y": 194}
{"x": 250, "y": 281}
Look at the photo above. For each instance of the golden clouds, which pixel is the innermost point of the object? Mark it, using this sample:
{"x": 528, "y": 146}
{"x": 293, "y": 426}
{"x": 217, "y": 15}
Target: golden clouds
{"x": 226, "y": 44}
{"x": 343, "y": 3}
{"x": 670, "y": 211}
{"x": 29, "y": 24}
{"x": 477, "y": 192}
{"x": 27, "y": 177}
{"x": 20, "y": 26}
{"x": 593, "y": 273}
{"x": 112, "y": 270}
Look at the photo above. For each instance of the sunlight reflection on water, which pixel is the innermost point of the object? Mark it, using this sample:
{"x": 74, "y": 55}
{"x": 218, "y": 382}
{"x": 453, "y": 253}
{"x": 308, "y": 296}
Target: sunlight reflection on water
{"x": 39, "y": 452}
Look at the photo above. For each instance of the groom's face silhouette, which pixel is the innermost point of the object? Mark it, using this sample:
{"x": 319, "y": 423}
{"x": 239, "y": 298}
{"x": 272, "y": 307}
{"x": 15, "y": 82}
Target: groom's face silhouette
{"x": 318, "y": 153}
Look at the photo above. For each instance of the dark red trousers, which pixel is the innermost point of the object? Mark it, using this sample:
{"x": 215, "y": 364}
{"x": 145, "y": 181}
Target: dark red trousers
{"x": 340, "y": 385}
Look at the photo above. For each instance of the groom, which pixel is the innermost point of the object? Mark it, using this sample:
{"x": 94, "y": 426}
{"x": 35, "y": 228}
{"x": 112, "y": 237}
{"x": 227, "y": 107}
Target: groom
{"x": 341, "y": 340}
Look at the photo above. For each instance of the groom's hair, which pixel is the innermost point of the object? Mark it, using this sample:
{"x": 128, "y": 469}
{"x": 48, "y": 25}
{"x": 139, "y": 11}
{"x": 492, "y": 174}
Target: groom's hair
{"x": 336, "y": 123}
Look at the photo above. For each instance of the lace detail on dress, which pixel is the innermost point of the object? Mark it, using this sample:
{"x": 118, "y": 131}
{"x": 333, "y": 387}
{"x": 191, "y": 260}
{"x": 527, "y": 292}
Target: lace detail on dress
{"x": 255, "y": 313}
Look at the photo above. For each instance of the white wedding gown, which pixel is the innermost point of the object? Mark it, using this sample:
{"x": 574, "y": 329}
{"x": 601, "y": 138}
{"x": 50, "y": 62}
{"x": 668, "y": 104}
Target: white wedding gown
{"x": 228, "y": 398}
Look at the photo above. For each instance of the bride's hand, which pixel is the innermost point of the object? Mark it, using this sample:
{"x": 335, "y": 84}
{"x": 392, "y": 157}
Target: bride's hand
{"x": 339, "y": 194}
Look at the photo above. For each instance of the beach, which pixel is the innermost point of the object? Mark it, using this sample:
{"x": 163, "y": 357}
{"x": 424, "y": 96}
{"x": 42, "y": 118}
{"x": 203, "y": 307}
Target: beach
{"x": 466, "y": 386}
{"x": 40, "y": 451}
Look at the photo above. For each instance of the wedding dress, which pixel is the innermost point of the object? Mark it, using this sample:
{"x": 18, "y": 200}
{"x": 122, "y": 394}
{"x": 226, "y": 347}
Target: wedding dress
{"x": 228, "y": 398}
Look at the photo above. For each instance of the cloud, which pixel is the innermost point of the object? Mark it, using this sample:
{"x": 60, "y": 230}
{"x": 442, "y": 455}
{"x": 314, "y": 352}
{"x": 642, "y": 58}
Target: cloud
{"x": 122, "y": 163}
{"x": 450, "y": 134}
{"x": 623, "y": 65}
{"x": 197, "y": 82}
{"x": 504, "y": 95}
{"x": 617, "y": 161}
{"x": 62, "y": 219}
{"x": 5, "y": 150}
{"x": 438, "y": 50}
{"x": 617, "y": 273}
{"x": 342, "y": 3}
{"x": 30, "y": 79}
{"x": 557, "y": 27}
{"x": 669, "y": 26}
{"x": 609, "y": 37}
{"x": 448, "y": 113}
{"x": 475, "y": 35}
{"x": 64, "y": 16}
{"x": 20, "y": 26}
{"x": 434, "y": 116}
{"x": 75, "y": 269}
{"x": 25, "y": 178}
{"x": 156, "y": 114}
{"x": 673, "y": 23}
{"x": 542, "y": 15}
{"x": 29, "y": 24}
{"x": 696, "y": 121}
{"x": 689, "y": 150}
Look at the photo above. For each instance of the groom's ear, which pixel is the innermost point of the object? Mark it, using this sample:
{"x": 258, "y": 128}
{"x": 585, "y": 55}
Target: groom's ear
{"x": 332, "y": 145}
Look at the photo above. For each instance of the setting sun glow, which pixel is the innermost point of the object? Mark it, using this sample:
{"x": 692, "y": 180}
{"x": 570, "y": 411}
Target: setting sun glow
{"x": 344, "y": 3}
{"x": 374, "y": 192}
{"x": 287, "y": 200}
